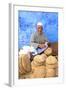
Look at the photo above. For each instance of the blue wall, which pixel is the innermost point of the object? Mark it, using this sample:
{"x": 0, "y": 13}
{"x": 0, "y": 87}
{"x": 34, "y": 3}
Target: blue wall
{"x": 27, "y": 21}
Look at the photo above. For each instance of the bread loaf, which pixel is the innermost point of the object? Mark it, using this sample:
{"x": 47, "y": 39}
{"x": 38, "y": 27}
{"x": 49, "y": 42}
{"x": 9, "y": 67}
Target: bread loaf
{"x": 40, "y": 59}
{"x": 51, "y": 60}
{"x": 48, "y": 51}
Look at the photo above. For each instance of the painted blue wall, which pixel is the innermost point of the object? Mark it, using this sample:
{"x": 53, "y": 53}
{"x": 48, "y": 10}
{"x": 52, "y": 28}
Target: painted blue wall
{"x": 27, "y": 21}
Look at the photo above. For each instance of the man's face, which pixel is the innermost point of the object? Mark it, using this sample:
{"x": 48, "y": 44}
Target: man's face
{"x": 39, "y": 29}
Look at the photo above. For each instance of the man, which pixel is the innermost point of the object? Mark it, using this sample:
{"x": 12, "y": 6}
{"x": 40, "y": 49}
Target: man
{"x": 38, "y": 39}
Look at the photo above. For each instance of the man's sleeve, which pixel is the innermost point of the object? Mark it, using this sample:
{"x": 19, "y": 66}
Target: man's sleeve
{"x": 33, "y": 42}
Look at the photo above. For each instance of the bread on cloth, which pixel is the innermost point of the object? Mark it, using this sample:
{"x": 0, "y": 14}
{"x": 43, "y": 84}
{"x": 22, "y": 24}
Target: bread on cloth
{"x": 50, "y": 72}
{"x": 39, "y": 72}
{"x": 48, "y": 51}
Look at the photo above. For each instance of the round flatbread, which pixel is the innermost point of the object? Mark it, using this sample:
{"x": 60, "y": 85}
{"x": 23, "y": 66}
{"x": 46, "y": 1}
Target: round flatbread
{"x": 51, "y": 60}
{"x": 39, "y": 59}
{"x": 37, "y": 63}
{"x": 33, "y": 63}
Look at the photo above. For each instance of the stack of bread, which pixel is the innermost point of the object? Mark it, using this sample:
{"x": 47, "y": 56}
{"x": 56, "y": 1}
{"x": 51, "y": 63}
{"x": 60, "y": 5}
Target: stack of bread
{"x": 42, "y": 66}
{"x": 38, "y": 66}
{"x": 51, "y": 66}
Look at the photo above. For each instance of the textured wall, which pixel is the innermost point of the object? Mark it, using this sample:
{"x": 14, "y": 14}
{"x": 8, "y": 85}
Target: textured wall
{"x": 27, "y": 25}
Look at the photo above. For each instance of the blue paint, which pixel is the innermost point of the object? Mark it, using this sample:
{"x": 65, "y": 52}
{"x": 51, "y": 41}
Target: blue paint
{"x": 27, "y": 21}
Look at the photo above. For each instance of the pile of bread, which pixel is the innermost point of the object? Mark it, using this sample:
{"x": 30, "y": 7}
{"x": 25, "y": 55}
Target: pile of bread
{"x": 42, "y": 66}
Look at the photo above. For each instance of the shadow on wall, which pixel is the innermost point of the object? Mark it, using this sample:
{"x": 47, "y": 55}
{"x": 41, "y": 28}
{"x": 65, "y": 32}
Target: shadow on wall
{"x": 27, "y": 21}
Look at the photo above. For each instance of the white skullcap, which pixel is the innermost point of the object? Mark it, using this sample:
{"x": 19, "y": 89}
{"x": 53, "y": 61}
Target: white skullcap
{"x": 39, "y": 24}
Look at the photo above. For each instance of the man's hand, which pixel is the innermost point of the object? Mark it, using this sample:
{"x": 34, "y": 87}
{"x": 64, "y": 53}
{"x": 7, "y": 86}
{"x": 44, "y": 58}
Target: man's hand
{"x": 42, "y": 45}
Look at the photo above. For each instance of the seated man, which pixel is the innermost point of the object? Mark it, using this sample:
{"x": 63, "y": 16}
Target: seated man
{"x": 38, "y": 39}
